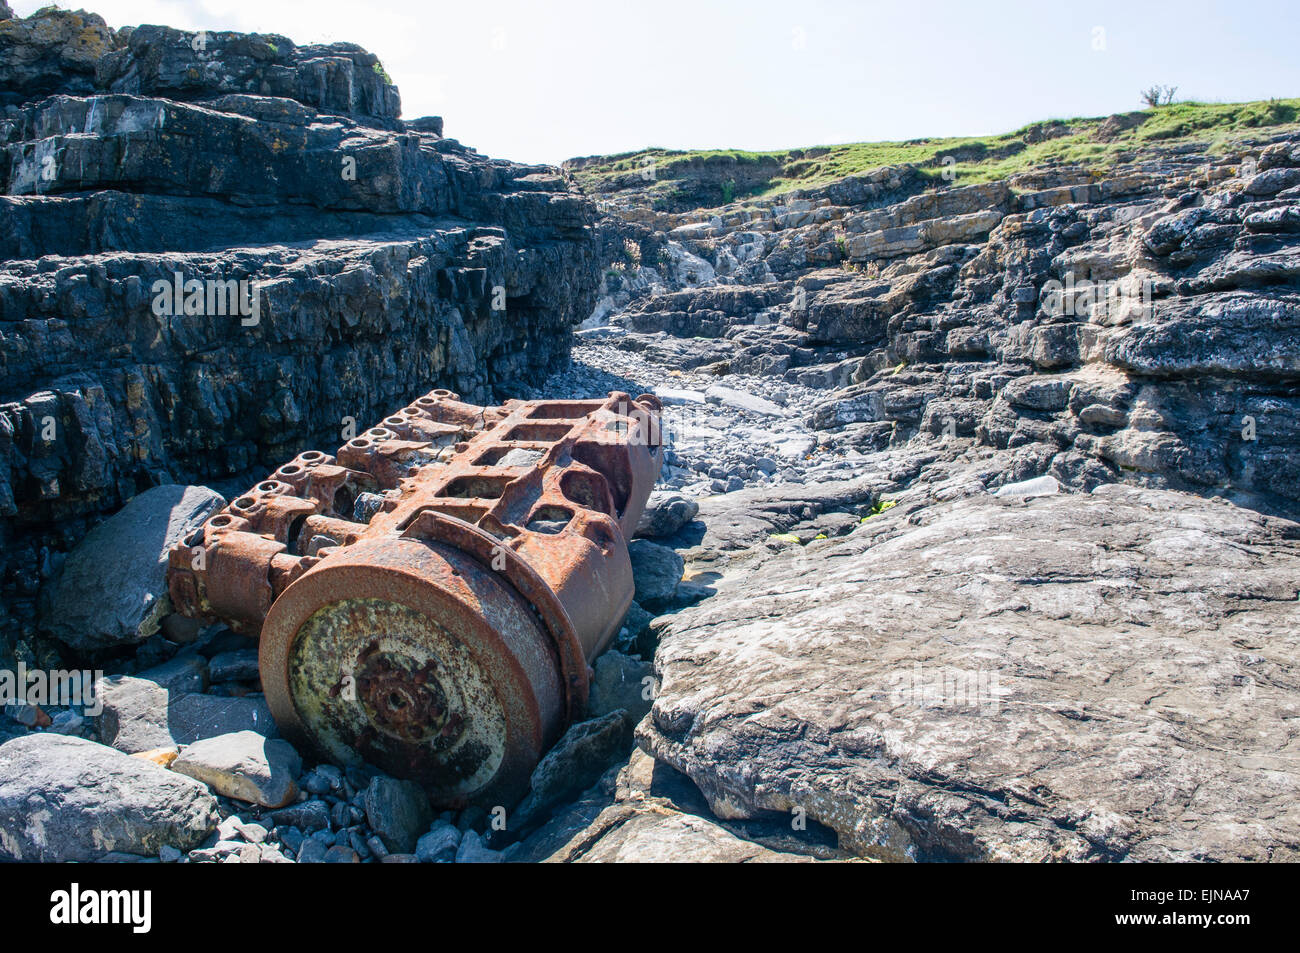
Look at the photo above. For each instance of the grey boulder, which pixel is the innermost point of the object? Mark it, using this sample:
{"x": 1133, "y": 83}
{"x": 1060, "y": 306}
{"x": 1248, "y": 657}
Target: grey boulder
{"x": 473, "y": 851}
{"x": 112, "y": 589}
{"x": 439, "y": 844}
{"x": 665, "y": 514}
{"x": 139, "y": 714}
{"x": 68, "y": 799}
{"x": 245, "y": 766}
{"x": 578, "y": 759}
{"x": 656, "y": 571}
{"x": 398, "y": 811}
{"x": 620, "y": 682}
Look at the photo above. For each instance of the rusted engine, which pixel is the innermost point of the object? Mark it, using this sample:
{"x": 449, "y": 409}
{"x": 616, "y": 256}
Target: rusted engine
{"x": 429, "y": 598}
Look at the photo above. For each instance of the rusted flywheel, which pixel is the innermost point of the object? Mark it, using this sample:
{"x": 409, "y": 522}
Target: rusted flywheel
{"x": 428, "y": 600}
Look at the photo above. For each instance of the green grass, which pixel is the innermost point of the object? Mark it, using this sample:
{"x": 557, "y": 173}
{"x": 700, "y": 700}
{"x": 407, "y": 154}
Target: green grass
{"x": 877, "y": 508}
{"x": 1216, "y": 126}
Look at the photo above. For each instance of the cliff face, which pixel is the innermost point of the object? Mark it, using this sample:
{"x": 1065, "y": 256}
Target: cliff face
{"x": 220, "y": 249}
{"x": 1132, "y": 324}
{"x": 997, "y": 478}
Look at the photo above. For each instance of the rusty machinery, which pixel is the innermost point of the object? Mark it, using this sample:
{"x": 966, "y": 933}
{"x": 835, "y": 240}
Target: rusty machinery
{"x": 428, "y": 600}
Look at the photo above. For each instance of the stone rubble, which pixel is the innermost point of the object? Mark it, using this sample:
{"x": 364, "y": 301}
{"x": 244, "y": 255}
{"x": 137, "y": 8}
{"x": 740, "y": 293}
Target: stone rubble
{"x": 975, "y": 538}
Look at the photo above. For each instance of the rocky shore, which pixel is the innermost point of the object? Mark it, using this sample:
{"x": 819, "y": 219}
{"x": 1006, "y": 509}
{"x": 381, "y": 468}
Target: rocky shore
{"x": 976, "y": 538}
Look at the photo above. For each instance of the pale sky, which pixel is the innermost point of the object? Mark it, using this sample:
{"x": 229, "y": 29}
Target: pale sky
{"x": 540, "y": 82}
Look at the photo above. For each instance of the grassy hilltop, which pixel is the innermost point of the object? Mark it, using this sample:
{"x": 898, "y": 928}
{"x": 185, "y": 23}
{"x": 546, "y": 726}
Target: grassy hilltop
{"x": 700, "y": 178}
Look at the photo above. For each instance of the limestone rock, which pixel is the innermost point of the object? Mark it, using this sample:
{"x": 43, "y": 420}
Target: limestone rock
{"x": 113, "y": 586}
{"x": 51, "y": 49}
{"x": 245, "y": 766}
{"x": 1005, "y": 679}
{"x": 139, "y": 714}
{"x": 149, "y": 156}
{"x": 67, "y": 799}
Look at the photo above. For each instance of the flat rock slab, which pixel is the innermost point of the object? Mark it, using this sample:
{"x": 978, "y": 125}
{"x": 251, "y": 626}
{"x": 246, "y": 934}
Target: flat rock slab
{"x": 673, "y": 395}
{"x": 68, "y": 799}
{"x": 139, "y": 714}
{"x": 1104, "y": 676}
{"x": 113, "y": 590}
{"x": 658, "y": 835}
{"x": 244, "y": 765}
{"x": 743, "y": 401}
{"x": 739, "y": 520}
{"x": 652, "y": 814}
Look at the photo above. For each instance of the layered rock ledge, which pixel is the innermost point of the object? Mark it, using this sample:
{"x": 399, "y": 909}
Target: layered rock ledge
{"x": 219, "y": 249}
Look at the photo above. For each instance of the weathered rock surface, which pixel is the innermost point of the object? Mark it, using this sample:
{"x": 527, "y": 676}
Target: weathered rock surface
{"x": 1104, "y": 676}
{"x": 1129, "y": 329}
{"x": 648, "y": 813}
{"x": 113, "y": 587}
{"x": 140, "y": 714}
{"x": 245, "y": 766}
{"x": 951, "y": 388}
{"x": 65, "y": 799}
{"x": 379, "y": 259}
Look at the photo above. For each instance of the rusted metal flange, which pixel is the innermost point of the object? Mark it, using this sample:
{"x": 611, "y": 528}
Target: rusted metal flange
{"x": 501, "y": 559}
{"x": 413, "y": 656}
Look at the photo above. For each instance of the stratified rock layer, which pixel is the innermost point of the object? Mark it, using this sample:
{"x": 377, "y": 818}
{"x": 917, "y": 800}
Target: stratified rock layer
{"x": 1104, "y": 676}
{"x": 345, "y": 261}
{"x": 1138, "y": 327}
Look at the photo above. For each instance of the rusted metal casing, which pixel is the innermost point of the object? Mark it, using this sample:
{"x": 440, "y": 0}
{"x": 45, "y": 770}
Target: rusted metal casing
{"x": 429, "y": 598}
